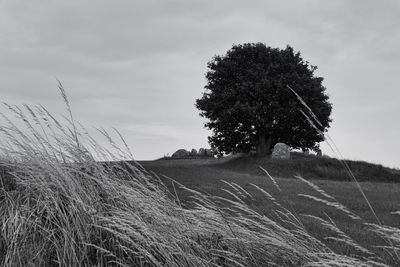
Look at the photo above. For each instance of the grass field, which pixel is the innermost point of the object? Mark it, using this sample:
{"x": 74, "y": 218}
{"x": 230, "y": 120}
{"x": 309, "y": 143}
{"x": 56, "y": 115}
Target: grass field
{"x": 68, "y": 200}
{"x": 206, "y": 176}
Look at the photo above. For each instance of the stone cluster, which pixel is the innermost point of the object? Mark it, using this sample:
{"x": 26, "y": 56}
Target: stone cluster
{"x": 184, "y": 154}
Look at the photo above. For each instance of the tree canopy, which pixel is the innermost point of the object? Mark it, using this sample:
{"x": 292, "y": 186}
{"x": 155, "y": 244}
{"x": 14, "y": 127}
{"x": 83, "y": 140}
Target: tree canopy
{"x": 249, "y": 106}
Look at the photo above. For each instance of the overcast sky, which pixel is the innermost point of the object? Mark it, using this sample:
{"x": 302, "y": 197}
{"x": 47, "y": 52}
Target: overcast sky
{"x": 140, "y": 65}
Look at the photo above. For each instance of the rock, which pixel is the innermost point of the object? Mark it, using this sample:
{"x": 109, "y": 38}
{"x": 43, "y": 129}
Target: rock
{"x": 319, "y": 153}
{"x": 202, "y": 152}
{"x": 193, "y": 152}
{"x": 181, "y": 153}
{"x": 281, "y": 151}
{"x": 209, "y": 153}
{"x": 206, "y": 152}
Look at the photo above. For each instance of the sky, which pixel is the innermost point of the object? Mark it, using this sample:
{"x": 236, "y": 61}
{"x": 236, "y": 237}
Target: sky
{"x": 139, "y": 65}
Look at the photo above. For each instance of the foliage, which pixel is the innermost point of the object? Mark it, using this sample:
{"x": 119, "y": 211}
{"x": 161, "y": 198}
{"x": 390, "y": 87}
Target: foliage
{"x": 249, "y": 105}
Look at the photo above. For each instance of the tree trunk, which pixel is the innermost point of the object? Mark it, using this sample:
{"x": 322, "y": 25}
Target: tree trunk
{"x": 263, "y": 144}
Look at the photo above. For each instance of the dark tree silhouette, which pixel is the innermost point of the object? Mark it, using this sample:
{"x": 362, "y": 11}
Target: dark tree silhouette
{"x": 249, "y": 106}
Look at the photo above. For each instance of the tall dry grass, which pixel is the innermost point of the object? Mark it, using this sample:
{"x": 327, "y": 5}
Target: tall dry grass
{"x": 66, "y": 200}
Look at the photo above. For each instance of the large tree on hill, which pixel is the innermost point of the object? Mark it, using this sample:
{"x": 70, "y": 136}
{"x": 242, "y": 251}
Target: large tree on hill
{"x": 249, "y": 106}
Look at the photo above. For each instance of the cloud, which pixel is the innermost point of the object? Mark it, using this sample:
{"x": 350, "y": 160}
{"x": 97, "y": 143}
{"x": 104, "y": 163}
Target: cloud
{"x": 135, "y": 63}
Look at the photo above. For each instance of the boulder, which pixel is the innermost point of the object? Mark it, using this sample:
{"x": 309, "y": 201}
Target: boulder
{"x": 180, "y": 153}
{"x": 209, "y": 152}
{"x": 193, "y": 152}
{"x": 202, "y": 152}
{"x": 206, "y": 152}
{"x": 281, "y": 151}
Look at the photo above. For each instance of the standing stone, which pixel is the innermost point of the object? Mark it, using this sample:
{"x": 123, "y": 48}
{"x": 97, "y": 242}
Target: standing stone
{"x": 193, "y": 152}
{"x": 209, "y": 153}
{"x": 202, "y": 152}
{"x": 281, "y": 151}
{"x": 180, "y": 153}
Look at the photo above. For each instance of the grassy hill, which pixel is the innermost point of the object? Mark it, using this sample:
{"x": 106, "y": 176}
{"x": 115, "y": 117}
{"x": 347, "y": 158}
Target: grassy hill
{"x": 308, "y": 166}
{"x": 60, "y": 206}
{"x": 378, "y": 183}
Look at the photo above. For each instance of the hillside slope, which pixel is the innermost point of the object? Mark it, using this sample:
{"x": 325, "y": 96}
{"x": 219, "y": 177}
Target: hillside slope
{"x": 307, "y": 166}
{"x": 379, "y": 184}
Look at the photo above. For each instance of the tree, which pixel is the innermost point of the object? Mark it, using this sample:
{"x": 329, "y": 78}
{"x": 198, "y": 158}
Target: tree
{"x": 249, "y": 106}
